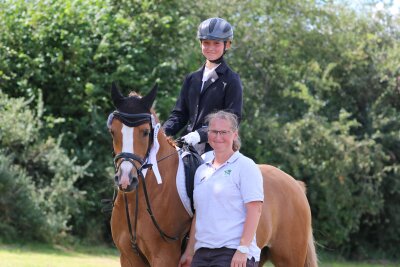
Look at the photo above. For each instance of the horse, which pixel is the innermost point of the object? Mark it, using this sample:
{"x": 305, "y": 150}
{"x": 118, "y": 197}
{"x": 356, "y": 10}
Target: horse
{"x": 149, "y": 223}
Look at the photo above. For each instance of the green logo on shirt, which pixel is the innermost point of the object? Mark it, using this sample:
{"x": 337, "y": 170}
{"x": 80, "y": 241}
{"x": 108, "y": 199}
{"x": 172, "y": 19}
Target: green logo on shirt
{"x": 228, "y": 172}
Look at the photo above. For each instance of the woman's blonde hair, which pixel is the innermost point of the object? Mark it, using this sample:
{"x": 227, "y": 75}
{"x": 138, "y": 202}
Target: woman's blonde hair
{"x": 232, "y": 119}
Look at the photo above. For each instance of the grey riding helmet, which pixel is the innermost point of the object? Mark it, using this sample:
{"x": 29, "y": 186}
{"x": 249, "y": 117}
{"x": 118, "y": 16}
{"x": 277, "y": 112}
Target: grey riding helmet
{"x": 215, "y": 29}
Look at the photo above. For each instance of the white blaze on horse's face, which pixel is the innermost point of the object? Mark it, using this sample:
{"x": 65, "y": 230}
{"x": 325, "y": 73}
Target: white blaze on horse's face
{"x": 127, "y": 146}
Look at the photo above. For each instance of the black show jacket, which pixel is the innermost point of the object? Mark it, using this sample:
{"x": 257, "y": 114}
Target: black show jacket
{"x": 221, "y": 92}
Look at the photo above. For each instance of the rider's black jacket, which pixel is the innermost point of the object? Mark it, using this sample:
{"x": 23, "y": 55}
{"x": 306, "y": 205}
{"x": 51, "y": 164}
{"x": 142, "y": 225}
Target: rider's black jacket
{"x": 222, "y": 92}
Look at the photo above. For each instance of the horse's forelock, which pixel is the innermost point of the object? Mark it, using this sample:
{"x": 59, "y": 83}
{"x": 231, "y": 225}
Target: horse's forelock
{"x": 132, "y": 104}
{"x": 135, "y": 94}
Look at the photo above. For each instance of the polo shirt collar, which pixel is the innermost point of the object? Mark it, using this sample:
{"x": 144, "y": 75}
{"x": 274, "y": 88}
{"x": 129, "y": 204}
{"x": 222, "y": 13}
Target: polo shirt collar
{"x": 232, "y": 159}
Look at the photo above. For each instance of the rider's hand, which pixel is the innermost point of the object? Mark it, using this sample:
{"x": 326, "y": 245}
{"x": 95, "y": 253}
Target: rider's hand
{"x": 192, "y": 138}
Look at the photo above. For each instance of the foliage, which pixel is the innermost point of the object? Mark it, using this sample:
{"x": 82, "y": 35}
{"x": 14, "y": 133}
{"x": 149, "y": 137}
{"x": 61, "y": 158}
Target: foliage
{"x": 38, "y": 196}
{"x": 72, "y": 51}
{"x": 20, "y": 212}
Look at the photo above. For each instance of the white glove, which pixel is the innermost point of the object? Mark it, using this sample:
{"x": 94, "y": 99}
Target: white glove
{"x": 192, "y": 138}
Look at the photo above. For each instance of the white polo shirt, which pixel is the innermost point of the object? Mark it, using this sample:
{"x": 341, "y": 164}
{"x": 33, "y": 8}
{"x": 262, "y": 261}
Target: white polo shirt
{"x": 220, "y": 196}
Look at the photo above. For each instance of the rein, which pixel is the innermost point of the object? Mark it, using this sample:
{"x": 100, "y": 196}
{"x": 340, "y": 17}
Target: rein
{"x": 125, "y": 156}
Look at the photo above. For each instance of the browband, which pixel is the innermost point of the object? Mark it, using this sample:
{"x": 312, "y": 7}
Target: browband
{"x": 131, "y": 120}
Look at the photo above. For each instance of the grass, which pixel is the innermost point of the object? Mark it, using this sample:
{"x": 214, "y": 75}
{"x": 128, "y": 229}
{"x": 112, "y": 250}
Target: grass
{"x": 39, "y": 255}
{"x": 345, "y": 264}
{"x": 329, "y": 259}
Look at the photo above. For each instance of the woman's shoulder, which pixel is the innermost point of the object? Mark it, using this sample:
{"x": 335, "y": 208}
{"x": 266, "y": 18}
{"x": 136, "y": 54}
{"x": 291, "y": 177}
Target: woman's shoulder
{"x": 204, "y": 166}
{"x": 243, "y": 159}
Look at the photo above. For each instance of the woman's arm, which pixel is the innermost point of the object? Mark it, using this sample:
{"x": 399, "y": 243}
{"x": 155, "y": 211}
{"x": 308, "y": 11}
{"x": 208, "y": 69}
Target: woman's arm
{"x": 187, "y": 256}
{"x": 253, "y": 213}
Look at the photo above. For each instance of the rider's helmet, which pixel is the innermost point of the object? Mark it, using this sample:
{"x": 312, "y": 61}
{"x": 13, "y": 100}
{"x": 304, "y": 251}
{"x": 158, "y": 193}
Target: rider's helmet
{"x": 215, "y": 29}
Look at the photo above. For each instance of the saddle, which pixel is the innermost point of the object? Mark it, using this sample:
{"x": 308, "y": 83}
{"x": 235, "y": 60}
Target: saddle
{"x": 191, "y": 161}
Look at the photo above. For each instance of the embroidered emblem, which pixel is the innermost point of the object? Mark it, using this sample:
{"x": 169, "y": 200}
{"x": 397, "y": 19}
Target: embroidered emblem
{"x": 228, "y": 172}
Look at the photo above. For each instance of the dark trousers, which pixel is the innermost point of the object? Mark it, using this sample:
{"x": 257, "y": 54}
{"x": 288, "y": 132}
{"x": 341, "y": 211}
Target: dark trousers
{"x": 217, "y": 257}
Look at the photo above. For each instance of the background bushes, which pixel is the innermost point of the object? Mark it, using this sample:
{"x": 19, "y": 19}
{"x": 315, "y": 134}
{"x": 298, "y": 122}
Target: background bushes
{"x": 37, "y": 193}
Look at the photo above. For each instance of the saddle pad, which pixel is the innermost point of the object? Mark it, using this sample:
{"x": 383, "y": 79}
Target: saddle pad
{"x": 181, "y": 187}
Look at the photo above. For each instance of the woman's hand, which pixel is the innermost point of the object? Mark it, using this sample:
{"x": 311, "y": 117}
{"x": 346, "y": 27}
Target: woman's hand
{"x": 187, "y": 256}
{"x": 185, "y": 260}
{"x": 239, "y": 259}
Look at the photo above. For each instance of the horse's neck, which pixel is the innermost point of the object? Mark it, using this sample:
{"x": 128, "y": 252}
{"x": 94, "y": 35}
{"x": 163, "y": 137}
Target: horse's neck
{"x": 167, "y": 157}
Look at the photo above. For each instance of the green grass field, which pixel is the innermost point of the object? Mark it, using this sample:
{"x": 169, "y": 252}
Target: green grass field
{"x": 57, "y": 256}
{"x": 38, "y": 255}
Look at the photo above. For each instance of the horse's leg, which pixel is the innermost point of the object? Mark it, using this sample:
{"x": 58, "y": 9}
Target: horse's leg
{"x": 128, "y": 257}
{"x": 121, "y": 236}
{"x": 286, "y": 254}
{"x": 131, "y": 259}
{"x": 167, "y": 254}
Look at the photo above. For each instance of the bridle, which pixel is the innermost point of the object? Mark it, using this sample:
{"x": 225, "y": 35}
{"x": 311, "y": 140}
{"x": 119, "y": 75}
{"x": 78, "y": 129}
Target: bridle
{"x": 133, "y": 120}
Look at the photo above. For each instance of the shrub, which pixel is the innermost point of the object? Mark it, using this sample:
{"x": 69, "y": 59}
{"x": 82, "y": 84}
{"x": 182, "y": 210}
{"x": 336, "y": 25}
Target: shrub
{"x": 38, "y": 193}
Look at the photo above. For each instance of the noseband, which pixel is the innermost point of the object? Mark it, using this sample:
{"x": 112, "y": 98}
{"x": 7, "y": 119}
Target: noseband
{"x": 133, "y": 120}
{"x": 125, "y": 156}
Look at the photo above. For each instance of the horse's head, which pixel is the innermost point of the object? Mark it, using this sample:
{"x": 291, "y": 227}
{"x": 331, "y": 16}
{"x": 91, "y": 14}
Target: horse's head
{"x": 131, "y": 127}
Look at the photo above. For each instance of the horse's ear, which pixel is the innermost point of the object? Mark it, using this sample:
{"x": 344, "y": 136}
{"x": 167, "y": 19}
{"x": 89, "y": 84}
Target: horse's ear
{"x": 116, "y": 95}
{"x": 148, "y": 100}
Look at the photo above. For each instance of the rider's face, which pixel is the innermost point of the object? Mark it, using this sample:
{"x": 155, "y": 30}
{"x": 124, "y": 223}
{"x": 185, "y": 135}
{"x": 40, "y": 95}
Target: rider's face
{"x": 213, "y": 49}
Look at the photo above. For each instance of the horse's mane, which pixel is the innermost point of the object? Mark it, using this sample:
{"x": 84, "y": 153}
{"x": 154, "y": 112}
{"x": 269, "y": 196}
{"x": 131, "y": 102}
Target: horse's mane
{"x": 170, "y": 140}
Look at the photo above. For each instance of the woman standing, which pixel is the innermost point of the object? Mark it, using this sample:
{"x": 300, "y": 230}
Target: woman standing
{"x": 228, "y": 198}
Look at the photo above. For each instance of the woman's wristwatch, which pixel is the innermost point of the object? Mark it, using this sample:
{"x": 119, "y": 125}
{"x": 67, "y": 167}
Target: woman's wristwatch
{"x": 243, "y": 249}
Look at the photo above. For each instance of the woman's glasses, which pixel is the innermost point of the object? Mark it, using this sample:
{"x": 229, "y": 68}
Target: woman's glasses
{"x": 222, "y": 133}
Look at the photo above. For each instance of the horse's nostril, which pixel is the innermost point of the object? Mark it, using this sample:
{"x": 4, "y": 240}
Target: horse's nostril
{"x": 135, "y": 181}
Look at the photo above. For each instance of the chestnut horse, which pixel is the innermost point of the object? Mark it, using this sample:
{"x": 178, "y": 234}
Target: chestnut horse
{"x": 149, "y": 221}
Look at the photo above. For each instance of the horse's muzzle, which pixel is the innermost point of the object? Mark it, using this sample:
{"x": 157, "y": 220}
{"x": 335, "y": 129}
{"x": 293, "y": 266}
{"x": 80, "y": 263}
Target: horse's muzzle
{"x": 133, "y": 182}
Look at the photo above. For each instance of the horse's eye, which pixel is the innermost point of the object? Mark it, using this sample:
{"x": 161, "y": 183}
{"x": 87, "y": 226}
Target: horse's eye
{"x": 146, "y": 133}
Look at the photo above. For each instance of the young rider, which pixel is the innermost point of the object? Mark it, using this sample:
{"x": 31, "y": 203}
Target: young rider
{"x": 211, "y": 88}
